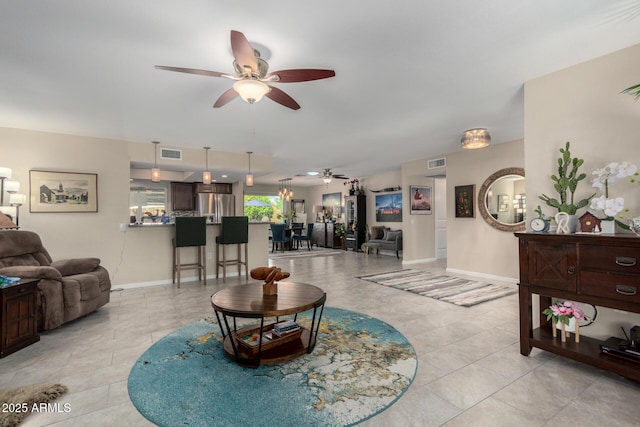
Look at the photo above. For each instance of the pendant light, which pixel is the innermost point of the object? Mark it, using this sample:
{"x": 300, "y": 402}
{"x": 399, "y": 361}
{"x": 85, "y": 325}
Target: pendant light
{"x": 155, "y": 172}
{"x": 249, "y": 177}
{"x": 206, "y": 175}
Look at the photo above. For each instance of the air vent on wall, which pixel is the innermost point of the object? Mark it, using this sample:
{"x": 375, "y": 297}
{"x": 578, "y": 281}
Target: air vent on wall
{"x": 170, "y": 154}
{"x": 437, "y": 163}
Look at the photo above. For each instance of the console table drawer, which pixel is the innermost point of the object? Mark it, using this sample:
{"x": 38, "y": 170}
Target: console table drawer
{"x": 614, "y": 286}
{"x": 615, "y": 259}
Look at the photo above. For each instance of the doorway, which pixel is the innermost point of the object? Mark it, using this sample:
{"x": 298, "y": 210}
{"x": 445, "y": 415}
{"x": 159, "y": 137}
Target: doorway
{"x": 440, "y": 199}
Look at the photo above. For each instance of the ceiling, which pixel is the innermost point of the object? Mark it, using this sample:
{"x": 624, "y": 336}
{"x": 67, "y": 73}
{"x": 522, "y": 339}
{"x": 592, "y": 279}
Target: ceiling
{"x": 411, "y": 76}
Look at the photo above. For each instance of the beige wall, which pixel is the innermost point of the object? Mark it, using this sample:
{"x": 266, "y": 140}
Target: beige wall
{"x": 140, "y": 255}
{"x": 473, "y": 246}
{"x": 583, "y": 104}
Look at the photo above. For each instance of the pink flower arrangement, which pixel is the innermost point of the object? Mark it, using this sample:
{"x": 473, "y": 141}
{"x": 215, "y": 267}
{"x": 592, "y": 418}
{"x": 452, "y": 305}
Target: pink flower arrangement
{"x": 352, "y": 182}
{"x": 563, "y": 311}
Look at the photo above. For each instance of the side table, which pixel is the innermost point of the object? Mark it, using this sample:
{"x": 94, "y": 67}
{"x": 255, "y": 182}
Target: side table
{"x": 18, "y": 327}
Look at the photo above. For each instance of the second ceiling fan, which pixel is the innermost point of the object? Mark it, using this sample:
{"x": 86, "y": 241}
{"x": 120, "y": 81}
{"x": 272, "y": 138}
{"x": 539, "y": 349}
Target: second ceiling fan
{"x": 252, "y": 75}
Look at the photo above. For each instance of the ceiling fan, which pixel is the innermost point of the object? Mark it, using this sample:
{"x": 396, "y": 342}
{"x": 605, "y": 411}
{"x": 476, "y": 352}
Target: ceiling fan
{"x": 328, "y": 175}
{"x": 252, "y": 76}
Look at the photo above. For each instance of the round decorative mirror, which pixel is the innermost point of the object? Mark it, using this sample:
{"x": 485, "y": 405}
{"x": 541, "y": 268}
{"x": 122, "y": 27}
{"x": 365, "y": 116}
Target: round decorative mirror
{"x": 502, "y": 200}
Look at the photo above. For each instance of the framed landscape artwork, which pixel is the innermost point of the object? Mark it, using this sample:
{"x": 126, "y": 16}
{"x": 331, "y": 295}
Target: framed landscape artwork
{"x": 389, "y": 207}
{"x": 464, "y": 195}
{"x": 420, "y": 200}
{"x": 63, "y": 191}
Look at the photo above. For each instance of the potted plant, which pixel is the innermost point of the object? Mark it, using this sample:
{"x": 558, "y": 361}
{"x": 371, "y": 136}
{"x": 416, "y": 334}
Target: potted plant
{"x": 565, "y": 316}
{"x": 339, "y": 233}
{"x": 565, "y": 183}
{"x": 288, "y": 216}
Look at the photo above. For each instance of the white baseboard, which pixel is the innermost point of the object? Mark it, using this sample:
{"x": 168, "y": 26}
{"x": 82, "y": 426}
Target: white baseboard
{"x": 483, "y": 275}
{"x": 167, "y": 282}
{"x": 418, "y": 261}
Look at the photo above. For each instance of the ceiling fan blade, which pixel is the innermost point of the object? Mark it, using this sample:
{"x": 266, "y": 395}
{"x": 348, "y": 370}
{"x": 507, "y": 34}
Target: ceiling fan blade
{"x": 282, "y": 98}
{"x": 225, "y": 98}
{"x": 301, "y": 75}
{"x": 193, "y": 71}
{"x": 242, "y": 51}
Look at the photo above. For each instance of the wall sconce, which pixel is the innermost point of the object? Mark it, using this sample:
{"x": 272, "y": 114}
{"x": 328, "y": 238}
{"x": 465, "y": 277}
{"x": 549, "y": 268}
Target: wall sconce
{"x": 475, "y": 138}
{"x": 155, "y": 172}
{"x": 249, "y": 177}
{"x": 17, "y": 200}
{"x": 4, "y": 173}
{"x": 206, "y": 175}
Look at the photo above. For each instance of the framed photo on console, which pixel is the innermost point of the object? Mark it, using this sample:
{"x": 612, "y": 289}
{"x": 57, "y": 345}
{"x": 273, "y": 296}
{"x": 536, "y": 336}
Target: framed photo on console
{"x": 63, "y": 191}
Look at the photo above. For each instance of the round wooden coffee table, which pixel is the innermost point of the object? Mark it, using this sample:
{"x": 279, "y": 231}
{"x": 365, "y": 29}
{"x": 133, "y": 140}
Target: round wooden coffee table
{"x": 249, "y": 302}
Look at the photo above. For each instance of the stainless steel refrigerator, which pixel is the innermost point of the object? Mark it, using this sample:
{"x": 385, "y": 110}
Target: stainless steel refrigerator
{"x": 215, "y": 206}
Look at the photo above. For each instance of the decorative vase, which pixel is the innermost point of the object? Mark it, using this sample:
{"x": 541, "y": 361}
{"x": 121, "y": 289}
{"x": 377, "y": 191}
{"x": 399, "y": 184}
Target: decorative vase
{"x": 352, "y": 190}
{"x": 565, "y": 330}
{"x": 608, "y": 226}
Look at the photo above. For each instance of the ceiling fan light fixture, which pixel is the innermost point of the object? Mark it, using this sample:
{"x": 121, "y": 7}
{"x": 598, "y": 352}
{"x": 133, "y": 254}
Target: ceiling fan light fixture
{"x": 475, "y": 138}
{"x": 251, "y": 90}
{"x": 326, "y": 180}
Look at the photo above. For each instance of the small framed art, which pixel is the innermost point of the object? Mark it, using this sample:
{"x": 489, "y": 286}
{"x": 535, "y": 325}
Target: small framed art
{"x": 421, "y": 200}
{"x": 464, "y": 195}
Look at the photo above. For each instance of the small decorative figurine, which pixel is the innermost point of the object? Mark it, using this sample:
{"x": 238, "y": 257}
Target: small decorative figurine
{"x": 270, "y": 275}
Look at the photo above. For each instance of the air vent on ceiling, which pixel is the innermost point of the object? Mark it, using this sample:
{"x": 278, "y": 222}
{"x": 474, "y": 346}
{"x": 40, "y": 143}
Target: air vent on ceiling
{"x": 437, "y": 163}
{"x": 170, "y": 154}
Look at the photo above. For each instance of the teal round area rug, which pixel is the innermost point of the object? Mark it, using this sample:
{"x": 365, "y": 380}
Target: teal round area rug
{"x": 359, "y": 367}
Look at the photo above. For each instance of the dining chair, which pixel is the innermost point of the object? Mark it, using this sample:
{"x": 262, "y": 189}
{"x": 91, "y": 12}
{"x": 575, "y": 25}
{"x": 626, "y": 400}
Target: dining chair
{"x": 301, "y": 238}
{"x": 278, "y": 236}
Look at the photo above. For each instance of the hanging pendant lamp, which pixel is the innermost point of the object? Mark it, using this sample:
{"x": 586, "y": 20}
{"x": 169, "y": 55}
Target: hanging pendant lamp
{"x": 206, "y": 175}
{"x": 249, "y": 177}
{"x": 155, "y": 172}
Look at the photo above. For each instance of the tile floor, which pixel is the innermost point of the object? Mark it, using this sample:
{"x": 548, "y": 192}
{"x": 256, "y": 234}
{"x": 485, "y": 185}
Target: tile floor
{"x": 470, "y": 371}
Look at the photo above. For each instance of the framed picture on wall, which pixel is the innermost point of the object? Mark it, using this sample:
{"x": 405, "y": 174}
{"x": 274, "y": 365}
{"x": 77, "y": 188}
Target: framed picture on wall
{"x": 331, "y": 203}
{"x": 420, "y": 200}
{"x": 464, "y": 195}
{"x": 389, "y": 207}
{"x": 63, "y": 191}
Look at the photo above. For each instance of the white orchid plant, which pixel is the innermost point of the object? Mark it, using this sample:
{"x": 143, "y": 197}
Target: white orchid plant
{"x": 611, "y": 206}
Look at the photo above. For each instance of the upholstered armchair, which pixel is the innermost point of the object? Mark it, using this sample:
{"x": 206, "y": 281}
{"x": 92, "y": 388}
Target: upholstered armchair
{"x": 67, "y": 289}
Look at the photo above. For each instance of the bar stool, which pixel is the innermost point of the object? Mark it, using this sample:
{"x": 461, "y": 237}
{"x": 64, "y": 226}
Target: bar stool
{"x": 234, "y": 230}
{"x": 190, "y": 232}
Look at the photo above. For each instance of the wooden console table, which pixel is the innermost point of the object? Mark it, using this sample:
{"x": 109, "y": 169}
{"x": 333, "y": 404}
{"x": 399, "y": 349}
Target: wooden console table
{"x": 249, "y": 302}
{"x": 603, "y": 270}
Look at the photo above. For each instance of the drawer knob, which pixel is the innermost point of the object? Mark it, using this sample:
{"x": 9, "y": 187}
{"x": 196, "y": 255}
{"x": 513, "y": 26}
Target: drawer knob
{"x": 625, "y": 261}
{"x": 21, "y": 290}
{"x": 626, "y": 290}
{"x": 571, "y": 269}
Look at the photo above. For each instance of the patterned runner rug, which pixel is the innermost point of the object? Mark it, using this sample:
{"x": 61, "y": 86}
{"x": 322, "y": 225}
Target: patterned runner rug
{"x": 442, "y": 287}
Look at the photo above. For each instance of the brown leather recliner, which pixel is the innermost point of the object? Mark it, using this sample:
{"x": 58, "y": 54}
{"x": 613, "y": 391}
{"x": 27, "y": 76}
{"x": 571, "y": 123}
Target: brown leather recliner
{"x": 67, "y": 289}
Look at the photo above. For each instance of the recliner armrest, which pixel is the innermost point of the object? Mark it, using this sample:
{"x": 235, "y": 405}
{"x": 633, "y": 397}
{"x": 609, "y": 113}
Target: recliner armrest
{"x": 31, "y": 272}
{"x": 69, "y": 267}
